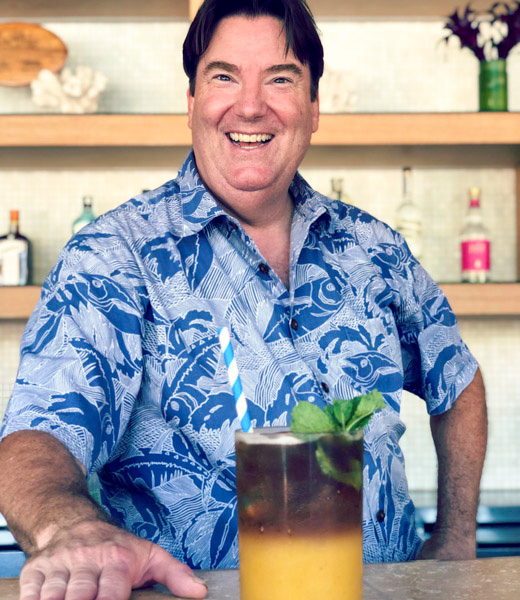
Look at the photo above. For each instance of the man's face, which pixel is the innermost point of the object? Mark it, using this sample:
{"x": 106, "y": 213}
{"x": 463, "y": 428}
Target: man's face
{"x": 247, "y": 86}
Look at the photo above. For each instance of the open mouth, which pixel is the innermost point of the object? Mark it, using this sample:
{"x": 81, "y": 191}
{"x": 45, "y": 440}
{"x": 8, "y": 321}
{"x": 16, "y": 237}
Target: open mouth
{"x": 250, "y": 140}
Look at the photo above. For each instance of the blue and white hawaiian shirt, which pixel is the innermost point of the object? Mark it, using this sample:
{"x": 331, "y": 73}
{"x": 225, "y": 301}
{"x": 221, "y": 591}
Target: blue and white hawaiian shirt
{"x": 121, "y": 358}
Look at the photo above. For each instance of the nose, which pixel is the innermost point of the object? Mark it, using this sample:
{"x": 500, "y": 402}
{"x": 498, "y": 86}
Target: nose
{"x": 250, "y": 103}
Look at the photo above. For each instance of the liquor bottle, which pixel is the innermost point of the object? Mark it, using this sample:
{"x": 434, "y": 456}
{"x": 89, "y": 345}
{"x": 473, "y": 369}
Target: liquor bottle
{"x": 475, "y": 243}
{"x": 408, "y": 220}
{"x": 336, "y": 190}
{"x": 14, "y": 254}
{"x": 87, "y": 216}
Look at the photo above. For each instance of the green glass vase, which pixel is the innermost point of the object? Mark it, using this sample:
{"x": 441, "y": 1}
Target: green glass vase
{"x": 493, "y": 85}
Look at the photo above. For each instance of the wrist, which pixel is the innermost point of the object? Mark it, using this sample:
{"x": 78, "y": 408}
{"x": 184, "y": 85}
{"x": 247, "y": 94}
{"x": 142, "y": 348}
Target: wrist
{"x": 459, "y": 536}
{"x": 76, "y": 516}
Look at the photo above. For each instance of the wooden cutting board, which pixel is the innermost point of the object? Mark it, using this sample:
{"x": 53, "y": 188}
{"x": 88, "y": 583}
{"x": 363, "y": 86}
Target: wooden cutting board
{"x": 25, "y": 49}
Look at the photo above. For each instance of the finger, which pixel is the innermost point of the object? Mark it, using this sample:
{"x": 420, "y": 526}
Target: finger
{"x": 31, "y": 581}
{"x": 114, "y": 584}
{"x": 176, "y": 576}
{"x": 83, "y": 584}
{"x": 55, "y": 585}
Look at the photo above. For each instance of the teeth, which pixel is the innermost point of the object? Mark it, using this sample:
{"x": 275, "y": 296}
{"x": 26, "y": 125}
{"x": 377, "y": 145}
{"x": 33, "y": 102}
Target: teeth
{"x": 255, "y": 137}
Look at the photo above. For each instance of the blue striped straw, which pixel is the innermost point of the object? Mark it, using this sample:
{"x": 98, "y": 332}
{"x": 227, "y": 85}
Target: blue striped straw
{"x": 234, "y": 379}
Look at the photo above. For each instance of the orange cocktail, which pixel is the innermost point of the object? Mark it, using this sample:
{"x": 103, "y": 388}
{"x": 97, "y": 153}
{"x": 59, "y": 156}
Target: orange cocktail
{"x": 299, "y": 515}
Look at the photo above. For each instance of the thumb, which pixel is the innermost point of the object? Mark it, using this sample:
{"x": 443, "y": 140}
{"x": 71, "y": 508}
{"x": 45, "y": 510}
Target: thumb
{"x": 175, "y": 575}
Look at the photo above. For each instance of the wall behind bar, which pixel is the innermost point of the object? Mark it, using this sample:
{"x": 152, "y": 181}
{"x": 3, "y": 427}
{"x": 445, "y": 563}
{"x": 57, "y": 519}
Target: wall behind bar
{"x": 393, "y": 67}
{"x": 390, "y": 66}
{"x": 50, "y": 200}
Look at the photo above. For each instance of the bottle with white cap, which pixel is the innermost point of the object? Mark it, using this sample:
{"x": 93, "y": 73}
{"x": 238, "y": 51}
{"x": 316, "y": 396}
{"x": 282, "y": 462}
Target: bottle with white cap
{"x": 475, "y": 243}
{"x": 14, "y": 254}
{"x": 408, "y": 221}
{"x": 337, "y": 191}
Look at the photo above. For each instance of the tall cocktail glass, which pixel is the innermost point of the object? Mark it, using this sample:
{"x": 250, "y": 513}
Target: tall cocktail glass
{"x": 299, "y": 515}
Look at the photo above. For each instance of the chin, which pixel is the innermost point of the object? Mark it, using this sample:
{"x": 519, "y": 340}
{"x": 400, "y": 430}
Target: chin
{"x": 251, "y": 180}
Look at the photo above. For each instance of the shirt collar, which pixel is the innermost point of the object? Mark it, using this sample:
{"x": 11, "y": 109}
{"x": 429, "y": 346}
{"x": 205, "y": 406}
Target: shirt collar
{"x": 199, "y": 207}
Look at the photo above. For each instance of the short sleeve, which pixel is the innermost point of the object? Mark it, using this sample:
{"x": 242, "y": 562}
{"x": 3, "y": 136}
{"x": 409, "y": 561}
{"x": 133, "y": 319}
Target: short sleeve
{"x": 437, "y": 364}
{"x": 81, "y": 356}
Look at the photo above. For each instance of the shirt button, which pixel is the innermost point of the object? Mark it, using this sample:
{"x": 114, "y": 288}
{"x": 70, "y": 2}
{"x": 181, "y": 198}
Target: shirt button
{"x": 294, "y": 324}
{"x": 325, "y": 387}
{"x": 263, "y": 268}
{"x": 380, "y": 515}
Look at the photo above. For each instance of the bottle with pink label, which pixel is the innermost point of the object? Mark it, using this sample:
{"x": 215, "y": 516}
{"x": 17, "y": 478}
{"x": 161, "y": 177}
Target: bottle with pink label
{"x": 475, "y": 243}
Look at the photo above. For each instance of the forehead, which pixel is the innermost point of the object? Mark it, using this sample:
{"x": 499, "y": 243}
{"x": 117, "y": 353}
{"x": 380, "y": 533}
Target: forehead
{"x": 242, "y": 39}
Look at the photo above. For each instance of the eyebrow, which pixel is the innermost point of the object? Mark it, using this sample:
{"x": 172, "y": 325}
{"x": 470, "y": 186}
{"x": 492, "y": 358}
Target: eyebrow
{"x": 286, "y": 67}
{"x": 222, "y": 65}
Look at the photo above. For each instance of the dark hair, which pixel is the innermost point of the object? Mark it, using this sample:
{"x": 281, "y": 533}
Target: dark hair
{"x": 300, "y": 32}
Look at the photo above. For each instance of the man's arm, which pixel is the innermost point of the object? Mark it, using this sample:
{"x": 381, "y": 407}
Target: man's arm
{"x": 460, "y": 437}
{"x": 74, "y": 549}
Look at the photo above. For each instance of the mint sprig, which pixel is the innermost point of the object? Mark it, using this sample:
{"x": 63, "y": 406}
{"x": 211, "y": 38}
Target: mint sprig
{"x": 354, "y": 475}
{"x": 342, "y": 415}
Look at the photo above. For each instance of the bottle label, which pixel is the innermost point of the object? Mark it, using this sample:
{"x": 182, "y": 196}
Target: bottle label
{"x": 13, "y": 262}
{"x": 476, "y": 255}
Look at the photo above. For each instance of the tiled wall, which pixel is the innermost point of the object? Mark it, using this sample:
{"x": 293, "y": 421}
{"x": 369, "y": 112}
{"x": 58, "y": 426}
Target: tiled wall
{"x": 496, "y": 345}
{"x": 393, "y": 67}
{"x": 142, "y": 61}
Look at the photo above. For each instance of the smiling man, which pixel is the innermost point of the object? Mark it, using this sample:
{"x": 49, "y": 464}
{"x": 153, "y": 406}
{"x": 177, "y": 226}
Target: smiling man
{"x": 121, "y": 373}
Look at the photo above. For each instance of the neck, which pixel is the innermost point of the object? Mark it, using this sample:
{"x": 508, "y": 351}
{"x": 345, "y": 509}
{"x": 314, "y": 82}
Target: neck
{"x": 268, "y": 224}
{"x": 259, "y": 209}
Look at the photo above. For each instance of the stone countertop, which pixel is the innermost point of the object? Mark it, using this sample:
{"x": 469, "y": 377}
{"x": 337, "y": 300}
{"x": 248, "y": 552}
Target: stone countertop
{"x": 481, "y": 579}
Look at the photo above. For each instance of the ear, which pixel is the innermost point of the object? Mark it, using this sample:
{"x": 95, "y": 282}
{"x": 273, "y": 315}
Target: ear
{"x": 316, "y": 113}
{"x": 191, "y": 101}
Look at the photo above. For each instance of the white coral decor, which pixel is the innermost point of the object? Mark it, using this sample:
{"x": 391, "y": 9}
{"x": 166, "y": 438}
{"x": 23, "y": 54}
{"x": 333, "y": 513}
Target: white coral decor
{"x": 70, "y": 92}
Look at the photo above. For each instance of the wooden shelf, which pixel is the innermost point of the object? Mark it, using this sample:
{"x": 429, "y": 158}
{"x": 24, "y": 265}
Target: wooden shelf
{"x": 18, "y": 302}
{"x": 467, "y": 300}
{"x": 86, "y": 9}
{"x": 418, "y": 129}
{"x": 431, "y": 129}
{"x": 488, "y": 299}
{"x": 183, "y": 8}
{"x": 94, "y": 130}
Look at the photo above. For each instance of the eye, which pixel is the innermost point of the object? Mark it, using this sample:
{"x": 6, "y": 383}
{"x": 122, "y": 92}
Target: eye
{"x": 281, "y": 80}
{"x": 222, "y": 77}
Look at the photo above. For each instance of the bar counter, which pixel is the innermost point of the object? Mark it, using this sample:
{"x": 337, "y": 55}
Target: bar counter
{"x": 481, "y": 579}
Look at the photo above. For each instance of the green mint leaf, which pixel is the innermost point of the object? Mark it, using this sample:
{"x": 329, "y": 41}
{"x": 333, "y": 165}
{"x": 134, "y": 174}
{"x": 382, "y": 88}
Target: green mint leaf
{"x": 309, "y": 418}
{"x": 354, "y": 476}
{"x": 329, "y": 411}
{"x": 342, "y": 415}
{"x": 364, "y": 407}
{"x": 342, "y": 410}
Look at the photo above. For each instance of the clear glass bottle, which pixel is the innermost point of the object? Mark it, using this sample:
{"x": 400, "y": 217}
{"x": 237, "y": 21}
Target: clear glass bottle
{"x": 14, "y": 254}
{"x": 86, "y": 217}
{"x": 475, "y": 243}
{"x": 337, "y": 192}
{"x": 408, "y": 220}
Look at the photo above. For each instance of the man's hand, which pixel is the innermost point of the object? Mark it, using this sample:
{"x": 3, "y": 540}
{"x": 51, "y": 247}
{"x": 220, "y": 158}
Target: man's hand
{"x": 75, "y": 553}
{"x": 92, "y": 560}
